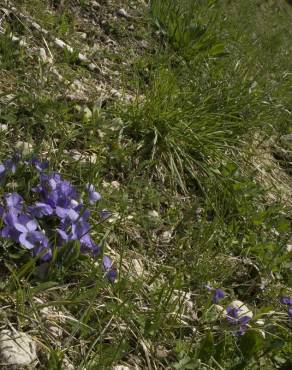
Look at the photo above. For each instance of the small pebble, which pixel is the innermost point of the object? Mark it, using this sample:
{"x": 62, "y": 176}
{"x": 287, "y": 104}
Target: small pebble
{"x": 153, "y": 214}
{"x": 25, "y": 147}
{"x": 122, "y": 13}
{"x": 3, "y": 127}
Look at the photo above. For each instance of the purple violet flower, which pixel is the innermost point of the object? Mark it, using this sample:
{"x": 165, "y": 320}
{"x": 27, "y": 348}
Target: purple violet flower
{"x": 218, "y": 295}
{"x": 104, "y": 214}
{"x": 2, "y": 171}
{"x": 93, "y": 195}
{"x": 290, "y": 313}
{"x": 39, "y": 165}
{"x": 111, "y": 273}
{"x": 32, "y": 239}
{"x": 234, "y": 318}
{"x": 40, "y": 209}
{"x": 10, "y": 218}
{"x": 76, "y": 229}
{"x": 69, "y": 213}
{"x": 27, "y": 228}
{"x": 11, "y": 165}
{"x": 88, "y": 246}
{"x": 287, "y": 301}
{"x": 43, "y": 251}
{"x": 106, "y": 262}
{"x": 14, "y": 201}
{"x": 56, "y": 197}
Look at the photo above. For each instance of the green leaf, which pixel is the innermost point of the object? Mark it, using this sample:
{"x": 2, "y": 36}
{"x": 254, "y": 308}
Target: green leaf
{"x": 250, "y": 343}
{"x": 206, "y": 348}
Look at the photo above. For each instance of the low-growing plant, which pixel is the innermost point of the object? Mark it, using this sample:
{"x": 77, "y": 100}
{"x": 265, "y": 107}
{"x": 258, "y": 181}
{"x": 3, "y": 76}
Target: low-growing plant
{"x": 47, "y": 216}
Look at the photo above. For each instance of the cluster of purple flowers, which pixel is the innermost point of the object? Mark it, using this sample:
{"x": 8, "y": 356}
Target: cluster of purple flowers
{"x": 57, "y": 200}
{"x": 235, "y": 318}
{"x": 288, "y": 301}
{"x": 233, "y": 314}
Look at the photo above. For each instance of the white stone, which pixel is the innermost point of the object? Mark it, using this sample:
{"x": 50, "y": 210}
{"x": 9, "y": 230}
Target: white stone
{"x": 66, "y": 364}
{"x": 50, "y": 316}
{"x": 95, "y": 4}
{"x": 219, "y": 309}
{"x": 115, "y": 184}
{"x": 161, "y": 352}
{"x": 105, "y": 184}
{"x": 289, "y": 247}
{"x": 121, "y": 367}
{"x": 83, "y": 158}
{"x": 83, "y": 35}
{"x": 44, "y": 56}
{"x": 153, "y": 214}
{"x": 26, "y": 148}
{"x": 3, "y": 127}
{"x": 114, "y": 217}
{"x": 122, "y": 13}
{"x": 87, "y": 114}
{"x": 166, "y": 236}
{"x": 243, "y": 309}
{"x": 17, "y": 349}
{"x": 138, "y": 267}
{"x": 288, "y": 265}
{"x": 260, "y": 322}
{"x": 115, "y": 93}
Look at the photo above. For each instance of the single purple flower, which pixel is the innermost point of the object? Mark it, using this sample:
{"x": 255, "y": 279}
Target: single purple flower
{"x": 242, "y": 329}
{"x": 10, "y": 218}
{"x": 69, "y": 213}
{"x": 105, "y": 214}
{"x": 88, "y": 246}
{"x": 10, "y": 164}
{"x": 40, "y": 209}
{"x": 80, "y": 229}
{"x": 93, "y": 195}
{"x": 232, "y": 314}
{"x": 66, "y": 237}
{"x": 244, "y": 320}
{"x": 218, "y": 295}
{"x": 32, "y": 239}
{"x": 14, "y": 200}
{"x": 50, "y": 180}
{"x": 76, "y": 229}
{"x": 106, "y": 263}
{"x": 43, "y": 252}
{"x": 290, "y": 313}
{"x": 2, "y": 171}
{"x": 39, "y": 165}
{"x": 287, "y": 300}
{"x": 111, "y": 273}
{"x": 29, "y": 235}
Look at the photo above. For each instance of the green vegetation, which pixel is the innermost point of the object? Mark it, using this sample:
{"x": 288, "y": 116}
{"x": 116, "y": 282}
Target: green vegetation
{"x": 179, "y": 128}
